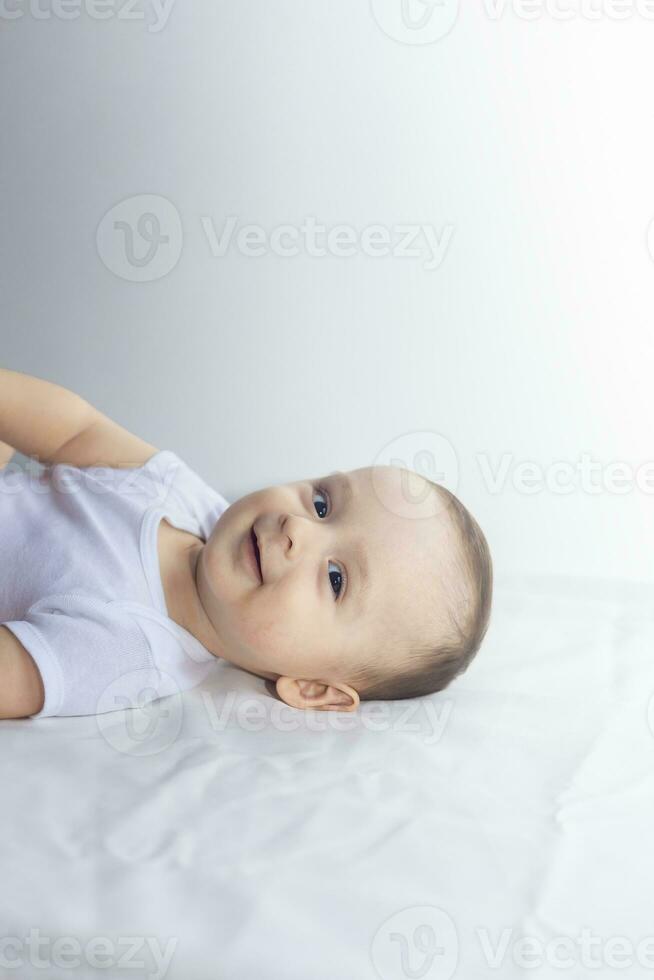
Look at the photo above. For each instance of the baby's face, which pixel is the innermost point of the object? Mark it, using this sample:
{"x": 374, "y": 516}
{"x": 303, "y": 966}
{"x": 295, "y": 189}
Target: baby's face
{"x": 347, "y": 560}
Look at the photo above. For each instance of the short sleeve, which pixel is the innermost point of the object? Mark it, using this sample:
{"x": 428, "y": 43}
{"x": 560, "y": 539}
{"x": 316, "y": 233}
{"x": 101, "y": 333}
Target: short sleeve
{"x": 187, "y": 500}
{"x": 91, "y": 654}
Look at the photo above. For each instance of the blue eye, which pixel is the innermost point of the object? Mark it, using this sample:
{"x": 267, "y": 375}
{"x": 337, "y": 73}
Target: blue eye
{"x": 339, "y": 578}
{"x": 321, "y": 493}
{"x": 336, "y": 578}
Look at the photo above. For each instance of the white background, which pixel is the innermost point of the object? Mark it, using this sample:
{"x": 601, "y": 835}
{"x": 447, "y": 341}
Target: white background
{"x": 533, "y": 139}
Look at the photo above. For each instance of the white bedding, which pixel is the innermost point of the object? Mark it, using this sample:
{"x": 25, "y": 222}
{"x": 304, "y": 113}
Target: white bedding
{"x": 518, "y": 803}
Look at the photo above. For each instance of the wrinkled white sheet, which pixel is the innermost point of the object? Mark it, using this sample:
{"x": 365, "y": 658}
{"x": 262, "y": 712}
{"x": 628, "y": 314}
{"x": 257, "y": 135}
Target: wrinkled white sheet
{"x": 424, "y": 839}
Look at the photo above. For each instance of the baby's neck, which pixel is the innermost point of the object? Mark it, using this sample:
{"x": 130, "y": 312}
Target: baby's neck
{"x": 179, "y": 551}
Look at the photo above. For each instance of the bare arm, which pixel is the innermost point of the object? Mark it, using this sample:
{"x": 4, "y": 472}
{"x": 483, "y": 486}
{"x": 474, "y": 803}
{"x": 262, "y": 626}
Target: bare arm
{"x": 21, "y": 685}
{"x": 6, "y": 452}
{"x": 46, "y": 421}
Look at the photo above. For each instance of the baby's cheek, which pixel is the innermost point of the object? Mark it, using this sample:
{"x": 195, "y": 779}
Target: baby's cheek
{"x": 281, "y": 640}
{"x": 258, "y": 628}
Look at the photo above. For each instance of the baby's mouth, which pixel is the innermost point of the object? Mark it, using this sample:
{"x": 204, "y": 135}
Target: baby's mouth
{"x": 256, "y": 551}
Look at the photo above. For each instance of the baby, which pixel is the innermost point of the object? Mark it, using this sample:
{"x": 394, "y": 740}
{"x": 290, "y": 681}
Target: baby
{"x": 125, "y": 575}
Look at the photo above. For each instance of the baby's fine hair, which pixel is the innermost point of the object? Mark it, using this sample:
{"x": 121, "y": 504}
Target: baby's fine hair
{"x": 431, "y": 667}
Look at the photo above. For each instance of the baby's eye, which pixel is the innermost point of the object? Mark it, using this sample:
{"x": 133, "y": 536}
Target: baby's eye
{"x": 321, "y": 493}
{"x": 336, "y": 578}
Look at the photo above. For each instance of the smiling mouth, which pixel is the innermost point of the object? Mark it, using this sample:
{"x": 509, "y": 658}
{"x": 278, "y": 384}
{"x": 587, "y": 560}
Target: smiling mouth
{"x": 256, "y": 552}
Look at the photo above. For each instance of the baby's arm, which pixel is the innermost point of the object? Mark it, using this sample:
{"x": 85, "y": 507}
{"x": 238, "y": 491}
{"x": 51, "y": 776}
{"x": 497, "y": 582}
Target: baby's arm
{"x": 42, "y": 420}
{"x": 6, "y": 452}
{"x": 21, "y": 686}
{"x": 54, "y": 425}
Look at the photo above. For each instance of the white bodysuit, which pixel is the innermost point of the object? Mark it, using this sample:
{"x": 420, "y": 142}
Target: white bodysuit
{"x": 80, "y": 584}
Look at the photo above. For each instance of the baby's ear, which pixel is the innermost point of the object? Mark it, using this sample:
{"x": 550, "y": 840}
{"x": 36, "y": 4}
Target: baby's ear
{"x": 316, "y": 694}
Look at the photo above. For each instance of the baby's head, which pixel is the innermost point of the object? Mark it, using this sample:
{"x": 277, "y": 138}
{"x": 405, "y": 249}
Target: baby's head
{"x": 376, "y": 585}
